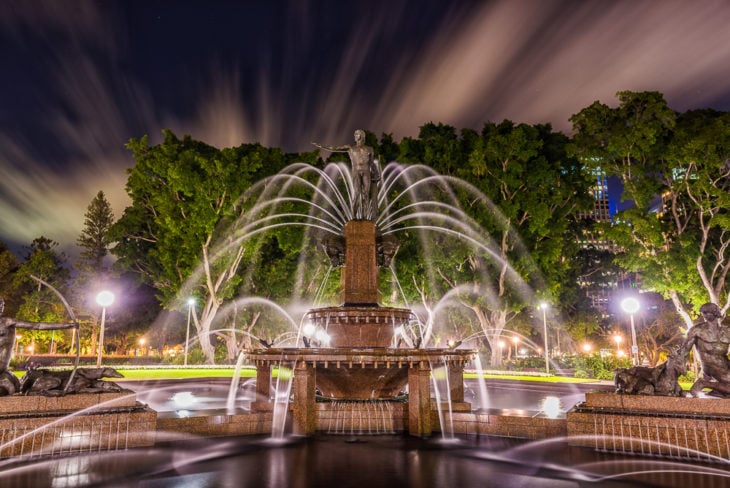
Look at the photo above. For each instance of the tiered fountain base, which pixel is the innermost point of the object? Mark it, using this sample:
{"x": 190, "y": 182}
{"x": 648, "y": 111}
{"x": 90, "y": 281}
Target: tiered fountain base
{"x": 361, "y": 375}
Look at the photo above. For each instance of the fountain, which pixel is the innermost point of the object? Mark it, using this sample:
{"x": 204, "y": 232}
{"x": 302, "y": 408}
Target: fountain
{"x": 357, "y": 360}
{"x": 349, "y": 376}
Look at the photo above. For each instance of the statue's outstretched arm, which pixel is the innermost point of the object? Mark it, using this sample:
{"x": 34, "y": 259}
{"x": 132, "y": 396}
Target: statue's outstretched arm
{"x": 332, "y": 148}
{"x": 22, "y": 324}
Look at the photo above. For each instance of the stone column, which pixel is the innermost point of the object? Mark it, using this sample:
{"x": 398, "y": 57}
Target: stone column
{"x": 305, "y": 407}
{"x": 419, "y": 400}
{"x": 360, "y": 273}
{"x": 456, "y": 381}
{"x": 262, "y": 402}
{"x": 263, "y": 382}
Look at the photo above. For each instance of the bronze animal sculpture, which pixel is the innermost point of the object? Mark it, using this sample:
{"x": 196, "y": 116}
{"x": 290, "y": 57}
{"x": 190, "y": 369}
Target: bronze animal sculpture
{"x": 661, "y": 380}
{"x": 55, "y": 383}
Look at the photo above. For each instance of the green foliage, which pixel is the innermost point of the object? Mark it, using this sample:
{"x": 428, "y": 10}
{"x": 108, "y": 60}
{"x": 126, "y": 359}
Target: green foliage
{"x": 9, "y": 265}
{"x": 595, "y": 366}
{"x": 42, "y": 260}
{"x": 94, "y": 238}
{"x": 677, "y": 242}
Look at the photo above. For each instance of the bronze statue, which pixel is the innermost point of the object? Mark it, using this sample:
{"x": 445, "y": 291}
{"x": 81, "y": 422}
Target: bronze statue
{"x": 8, "y": 328}
{"x": 365, "y": 176}
{"x": 711, "y": 340}
{"x": 661, "y": 380}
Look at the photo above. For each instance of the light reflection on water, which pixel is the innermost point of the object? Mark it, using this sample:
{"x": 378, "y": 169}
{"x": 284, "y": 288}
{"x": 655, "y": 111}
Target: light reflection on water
{"x": 371, "y": 462}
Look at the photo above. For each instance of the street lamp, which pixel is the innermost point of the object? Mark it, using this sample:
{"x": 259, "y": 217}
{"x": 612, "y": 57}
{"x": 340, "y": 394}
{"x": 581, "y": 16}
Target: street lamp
{"x": 141, "y": 346}
{"x": 515, "y": 341}
{"x": 631, "y": 306}
{"x": 191, "y": 303}
{"x": 104, "y": 299}
{"x": 544, "y": 307}
{"x": 17, "y": 343}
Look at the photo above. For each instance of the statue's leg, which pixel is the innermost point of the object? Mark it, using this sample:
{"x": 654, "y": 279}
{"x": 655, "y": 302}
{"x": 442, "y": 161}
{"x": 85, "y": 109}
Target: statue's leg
{"x": 365, "y": 197}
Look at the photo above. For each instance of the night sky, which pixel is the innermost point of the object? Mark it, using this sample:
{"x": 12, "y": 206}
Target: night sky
{"x": 78, "y": 79}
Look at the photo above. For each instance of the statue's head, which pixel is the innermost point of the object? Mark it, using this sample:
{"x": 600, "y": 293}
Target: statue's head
{"x": 359, "y": 135}
{"x": 710, "y": 311}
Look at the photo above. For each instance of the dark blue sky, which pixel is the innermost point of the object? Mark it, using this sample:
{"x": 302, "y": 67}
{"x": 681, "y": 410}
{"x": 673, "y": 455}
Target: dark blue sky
{"x": 80, "y": 78}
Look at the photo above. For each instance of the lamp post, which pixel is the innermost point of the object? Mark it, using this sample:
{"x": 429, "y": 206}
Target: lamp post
{"x": 544, "y": 307}
{"x": 104, "y": 298}
{"x": 191, "y": 303}
{"x": 631, "y": 306}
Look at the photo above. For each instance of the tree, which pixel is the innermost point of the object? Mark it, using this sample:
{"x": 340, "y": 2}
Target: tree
{"x": 93, "y": 271}
{"x": 674, "y": 171}
{"x": 9, "y": 265}
{"x": 40, "y": 304}
{"x": 524, "y": 192}
{"x": 182, "y": 190}
{"x": 94, "y": 238}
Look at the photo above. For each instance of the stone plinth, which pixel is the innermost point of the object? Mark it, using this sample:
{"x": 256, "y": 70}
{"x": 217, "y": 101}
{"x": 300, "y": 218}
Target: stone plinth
{"x": 696, "y": 428}
{"x": 47, "y": 426}
{"x": 360, "y": 273}
{"x": 77, "y": 402}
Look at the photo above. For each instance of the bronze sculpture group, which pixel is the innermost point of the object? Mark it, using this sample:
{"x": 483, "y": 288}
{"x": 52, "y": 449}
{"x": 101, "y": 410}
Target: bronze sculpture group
{"x": 41, "y": 381}
{"x": 710, "y": 339}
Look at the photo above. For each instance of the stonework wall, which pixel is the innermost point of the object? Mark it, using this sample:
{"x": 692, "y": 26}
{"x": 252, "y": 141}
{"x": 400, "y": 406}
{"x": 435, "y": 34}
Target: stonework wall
{"x": 503, "y": 426}
{"x": 693, "y": 428}
{"x": 215, "y": 425}
{"x": 56, "y": 433}
{"x": 361, "y": 417}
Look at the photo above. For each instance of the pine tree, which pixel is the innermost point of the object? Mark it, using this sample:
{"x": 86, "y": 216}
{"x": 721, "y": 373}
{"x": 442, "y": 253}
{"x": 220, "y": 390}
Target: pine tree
{"x": 94, "y": 239}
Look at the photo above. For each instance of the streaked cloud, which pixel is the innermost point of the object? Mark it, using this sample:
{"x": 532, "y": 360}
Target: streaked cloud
{"x": 389, "y": 67}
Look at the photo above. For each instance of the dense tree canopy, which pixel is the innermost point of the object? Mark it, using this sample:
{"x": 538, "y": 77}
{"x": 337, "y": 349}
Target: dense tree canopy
{"x": 488, "y": 228}
{"x": 182, "y": 190}
{"x": 674, "y": 169}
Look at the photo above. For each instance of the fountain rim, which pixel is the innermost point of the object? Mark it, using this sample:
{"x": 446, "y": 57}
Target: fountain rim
{"x": 361, "y": 356}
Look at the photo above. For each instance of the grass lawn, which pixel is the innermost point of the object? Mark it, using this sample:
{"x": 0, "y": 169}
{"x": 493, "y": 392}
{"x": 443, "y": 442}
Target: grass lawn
{"x": 182, "y": 373}
{"x": 172, "y": 373}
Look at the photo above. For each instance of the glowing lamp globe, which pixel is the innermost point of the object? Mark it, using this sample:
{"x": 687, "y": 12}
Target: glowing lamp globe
{"x": 630, "y": 305}
{"x": 105, "y": 298}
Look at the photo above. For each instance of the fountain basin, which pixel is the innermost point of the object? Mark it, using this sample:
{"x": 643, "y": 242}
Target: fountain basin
{"x": 362, "y": 373}
{"x": 363, "y": 326}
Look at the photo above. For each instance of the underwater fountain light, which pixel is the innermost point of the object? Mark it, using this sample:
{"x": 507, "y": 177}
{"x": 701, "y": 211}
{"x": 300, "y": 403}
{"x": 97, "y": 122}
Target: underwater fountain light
{"x": 309, "y": 329}
{"x": 322, "y": 337}
{"x": 551, "y": 407}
